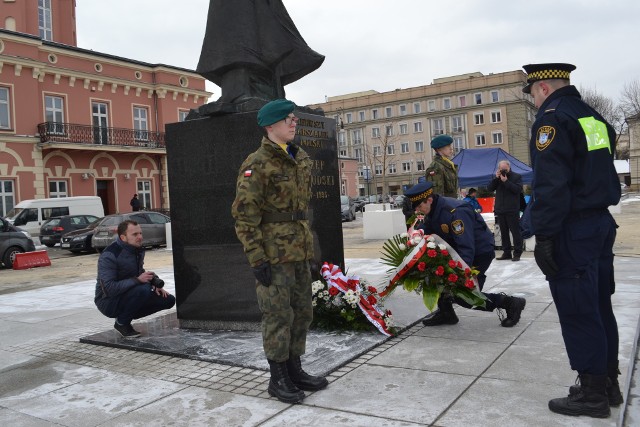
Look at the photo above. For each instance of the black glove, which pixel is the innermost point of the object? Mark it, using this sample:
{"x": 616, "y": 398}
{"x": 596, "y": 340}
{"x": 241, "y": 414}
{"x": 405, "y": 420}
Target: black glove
{"x": 314, "y": 268}
{"x": 263, "y": 273}
{"x": 543, "y": 254}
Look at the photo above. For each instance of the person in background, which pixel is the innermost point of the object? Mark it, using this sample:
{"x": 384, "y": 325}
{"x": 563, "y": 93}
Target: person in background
{"x": 508, "y": 186}
{"x": 135, "y": 203}
{"x": 572, "y": 149}
{"x": 472, "y": 200}
{"x": 442, "y": 172}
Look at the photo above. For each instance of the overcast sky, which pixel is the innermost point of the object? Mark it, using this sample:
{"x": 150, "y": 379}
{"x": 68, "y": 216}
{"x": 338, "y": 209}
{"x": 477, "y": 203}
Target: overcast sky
{"x": 388, "y": 44}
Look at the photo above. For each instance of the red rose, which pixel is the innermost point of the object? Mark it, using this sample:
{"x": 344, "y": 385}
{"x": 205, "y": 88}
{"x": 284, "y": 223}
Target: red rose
{"x": 439, "y": 270}
{"x": 333, "y": 291}
{"x": 452, "y": 263}
{"x": 431, "y": 253}
{"x": 453, "y": 278}
{"x": 469, "y": 284}
{"x": 444, "y": 252}
{"x": 372, "y": 300}
{"x": 372, "y": 290}
{"x": 467, "y": 271}
{"x": 459, "y": 264}
{"x": 422, "y": 266}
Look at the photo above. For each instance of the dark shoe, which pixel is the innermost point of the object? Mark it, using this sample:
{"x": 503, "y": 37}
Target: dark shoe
{"x": 514, "y": 307}
{"x": 445, "y": 315}
{"x": 505, "y": 255}
{"x": 613, "y": 387}
{"x": 515, "y": 258}
{"x": 281, "y": 386}
{"x": 301, "y": 379}
{"x": 591, "y": 399}
{"x": 126, "y": 331}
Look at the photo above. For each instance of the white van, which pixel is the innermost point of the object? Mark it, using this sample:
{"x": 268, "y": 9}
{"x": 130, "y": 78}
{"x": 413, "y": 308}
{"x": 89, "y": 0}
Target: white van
{"x": 29, "y": 215}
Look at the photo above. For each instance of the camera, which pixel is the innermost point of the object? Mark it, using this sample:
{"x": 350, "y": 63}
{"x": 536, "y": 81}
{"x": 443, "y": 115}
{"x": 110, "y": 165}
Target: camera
{"x": 156, "y": 281}
{"x": 503, "y": 172}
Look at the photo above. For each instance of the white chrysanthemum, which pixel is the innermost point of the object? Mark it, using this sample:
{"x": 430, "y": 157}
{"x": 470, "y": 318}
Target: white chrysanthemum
{"x": 326, "y": 297}
{"x": 316, "y": 286}
{"x": 431, "y": 245}
{"x": 431, "y": 238}
{"x": 354, "y": 305}
{"x": 404, "y": 235}
{"x": 416, "y": 240}
{"x": 442, "y": 247}
{"x": 402, "y": 247}
{"x": 314, "y": 302}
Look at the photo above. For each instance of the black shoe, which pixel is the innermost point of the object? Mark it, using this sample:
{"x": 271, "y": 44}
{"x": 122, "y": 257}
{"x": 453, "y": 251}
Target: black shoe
{"x": 281, "y": 386}
{"x": 126, "y": 331}
{"x": 515, "y": 258}
{"x": 590, "y": 400}
{"x": 301, "y": 379}
{"x": 514, "y": 307}
{"x": 613, "y": 387}
{"x": 441, "y": 317}
{"x": 505, "y": 255}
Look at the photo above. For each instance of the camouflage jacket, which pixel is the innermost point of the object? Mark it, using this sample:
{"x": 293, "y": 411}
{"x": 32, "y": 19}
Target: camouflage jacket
{"x": 269, "y": 180}
{"x": 444, "y": 176}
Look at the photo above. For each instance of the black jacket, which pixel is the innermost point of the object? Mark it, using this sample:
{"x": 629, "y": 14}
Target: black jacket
{"x": 507, "y": 193}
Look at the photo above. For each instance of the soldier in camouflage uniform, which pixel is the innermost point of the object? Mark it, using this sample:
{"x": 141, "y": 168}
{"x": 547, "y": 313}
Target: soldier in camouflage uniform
{"x": 442, "y": 172}
{"x": 271, "y": 213}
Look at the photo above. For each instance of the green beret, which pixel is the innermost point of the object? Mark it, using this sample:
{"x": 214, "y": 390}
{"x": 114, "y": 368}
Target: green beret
{"x": 441, "y": 141}
{"x": 275, "y": 111}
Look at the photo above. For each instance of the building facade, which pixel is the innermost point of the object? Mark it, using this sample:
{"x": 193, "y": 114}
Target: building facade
{"x": 389, "y": 133}
{"x": 74, "y": 122}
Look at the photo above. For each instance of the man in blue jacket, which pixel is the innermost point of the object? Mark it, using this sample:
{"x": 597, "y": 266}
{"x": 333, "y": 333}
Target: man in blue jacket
{"x": 125, "y": 291}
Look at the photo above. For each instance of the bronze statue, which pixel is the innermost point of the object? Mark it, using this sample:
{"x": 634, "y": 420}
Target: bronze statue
{"x": 252, "y": 49}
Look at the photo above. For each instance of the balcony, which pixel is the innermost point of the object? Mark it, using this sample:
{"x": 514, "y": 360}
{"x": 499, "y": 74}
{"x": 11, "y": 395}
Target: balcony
{"x": 69, "y": 133}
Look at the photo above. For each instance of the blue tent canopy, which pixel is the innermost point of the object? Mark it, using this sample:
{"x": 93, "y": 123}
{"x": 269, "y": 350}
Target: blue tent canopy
{"x": 477, "y": 167}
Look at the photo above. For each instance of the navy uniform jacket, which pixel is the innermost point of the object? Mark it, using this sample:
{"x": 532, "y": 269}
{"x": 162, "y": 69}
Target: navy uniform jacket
{"x": 573, "y": 173}
{"x": 460, "y": 226}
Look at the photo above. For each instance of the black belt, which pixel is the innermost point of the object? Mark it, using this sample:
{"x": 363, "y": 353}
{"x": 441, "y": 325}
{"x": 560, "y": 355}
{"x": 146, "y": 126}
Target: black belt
{"x": 286, "y": 216}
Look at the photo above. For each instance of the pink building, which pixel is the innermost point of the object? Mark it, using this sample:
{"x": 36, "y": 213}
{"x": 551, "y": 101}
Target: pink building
{"x": 74, "y": 122}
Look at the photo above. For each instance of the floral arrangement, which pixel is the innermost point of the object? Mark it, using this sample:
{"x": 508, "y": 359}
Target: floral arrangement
{"x": 348, "y": 303}
{"x": 427, "y": 265}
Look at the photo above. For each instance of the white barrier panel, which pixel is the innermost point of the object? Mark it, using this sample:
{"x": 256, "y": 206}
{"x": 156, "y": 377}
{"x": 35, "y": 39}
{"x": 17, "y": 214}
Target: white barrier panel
{"x": 383, "y": 224}
{"x": 167, "y": 229}
{"x": 377, "y": 207}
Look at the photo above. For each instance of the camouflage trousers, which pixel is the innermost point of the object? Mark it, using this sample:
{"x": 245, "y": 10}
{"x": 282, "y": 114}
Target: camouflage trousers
{"x": 286, "y": 310}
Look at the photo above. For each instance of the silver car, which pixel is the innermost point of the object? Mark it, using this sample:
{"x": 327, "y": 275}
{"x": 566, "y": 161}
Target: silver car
{"x": 153, "y": 226}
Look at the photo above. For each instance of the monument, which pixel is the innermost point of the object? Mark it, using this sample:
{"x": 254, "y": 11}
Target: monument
{"x": 251, "y": 49}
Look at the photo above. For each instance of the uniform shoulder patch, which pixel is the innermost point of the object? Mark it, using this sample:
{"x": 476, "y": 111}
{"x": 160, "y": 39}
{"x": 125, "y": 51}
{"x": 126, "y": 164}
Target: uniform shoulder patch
{"x": 432, "y": 173}
{"x": 247, "y": 173}
{"x": 445, "y": 228}
{"x": 457, "y": 226}
{"x": 545, "y": 137}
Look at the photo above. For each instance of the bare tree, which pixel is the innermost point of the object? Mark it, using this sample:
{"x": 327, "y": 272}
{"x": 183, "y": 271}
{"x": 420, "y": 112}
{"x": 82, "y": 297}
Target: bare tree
{"x": 385, "y": 139}
{"x": 630, "y": 98}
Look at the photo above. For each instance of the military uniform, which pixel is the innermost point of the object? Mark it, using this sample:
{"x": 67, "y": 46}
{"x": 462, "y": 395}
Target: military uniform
{"x": 444, "y": 176}
{"x": 271, "y": 213}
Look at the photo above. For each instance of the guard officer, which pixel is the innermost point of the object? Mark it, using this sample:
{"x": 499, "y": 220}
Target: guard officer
{"x": 572, "y": 148}
{"x": 442, "y": 172}
{"x": 465, "y": 231}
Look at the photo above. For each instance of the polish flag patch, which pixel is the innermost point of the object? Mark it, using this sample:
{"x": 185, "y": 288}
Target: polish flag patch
{"x": 247, "y": 173}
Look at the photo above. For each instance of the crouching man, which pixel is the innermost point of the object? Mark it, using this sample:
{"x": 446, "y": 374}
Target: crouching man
{"x": 125, "y": 291}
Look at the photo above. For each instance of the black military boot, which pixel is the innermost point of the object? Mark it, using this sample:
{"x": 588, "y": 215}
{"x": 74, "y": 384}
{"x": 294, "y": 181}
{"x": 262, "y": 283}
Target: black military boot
{"x": 281, "y": 386}
{"x": 513, "y": 307}
{"x": 301, "y": 379}
{"x": 445, "y": 314}
{"x": 591, "y": 399}
{"x": 505, "y": 255}
{"x": 613, "y": 388}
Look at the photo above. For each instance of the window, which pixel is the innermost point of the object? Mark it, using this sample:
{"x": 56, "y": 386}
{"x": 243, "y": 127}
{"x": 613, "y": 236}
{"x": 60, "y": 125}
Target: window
{"x": 478, "y": 118}
{"x": 447, "y": 103}
{"x": 140, "y": 124}
{"x": 374, "y": 114}
{"x": 495, "y": 97}
{"x": 57, "y": 189}
{"x": 406, "y": 166}
{"x": 157, "y": 218}
{"x": 389, "y": 130}
{"x": 420, "y": 165}
{"x": 51, "y": 212}
{"x": 7, "y": 198}
{"x": 432, "y": 105}
{"x": 358, "y": 154}
{"x": 182, "y": 115}
{"x": 375, "y": 132}
{"x": 377, "y": 150}
{"x": 392, "y": 168}
{"x": 54, "y": 114}
{"x": 403, "y": 110}
{"x": 404, "y": 147}
{"x": 356, "y": 136}
{"x": 391, "y": 149}
{"x": 342, "y": 152}
{"x": 417, "y": 126}
{"x": 349, "y": 118}
{"x": 462, "y": 101}
{"x": 44, "y": 20}
{"x": 4, "y": 109}
{"x": 144, "y": 194}
{"x": 342, "y": 140}
{"x": 378, "y": 169}
{"x": 404, "y": 129}
{"x": 100, "y": 123}
{"x": 478, "y": 98}
{"x": 388, "y": 112}
{"x": 419, "y": 146}
{"x": 458, "y": 144}
{"x": 361, "y": 116}
{"x": 456, "y": 123}
{"x": 480, "y": 139}
{"x": 496, "y": 117}
{"x": 438, "y": 127}
{"x": 496, "y": 137}
{"x": 416, "y": 108}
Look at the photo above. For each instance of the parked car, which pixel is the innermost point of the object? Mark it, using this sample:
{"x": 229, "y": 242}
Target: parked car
{"x": 360, "y": 202}
{"x": 152, "y": 224}
{"x": 80, "y": 240}
{"x": 348, "y": 208}
{"x": 399, "y": 200}
{"x": 13, "y": 241}
{"x": 52, "y": 229}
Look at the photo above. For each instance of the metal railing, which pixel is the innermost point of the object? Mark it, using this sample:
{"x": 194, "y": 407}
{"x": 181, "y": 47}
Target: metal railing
{"x": 92, "y": 135}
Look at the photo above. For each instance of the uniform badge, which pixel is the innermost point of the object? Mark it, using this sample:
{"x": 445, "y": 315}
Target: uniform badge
{"x": 432, "y": 173}
{"x": 457, "y": 226}
{"x": 247, "y": 173}
{"x": 544, "y": 137}
{"x": 445, "y": 228}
